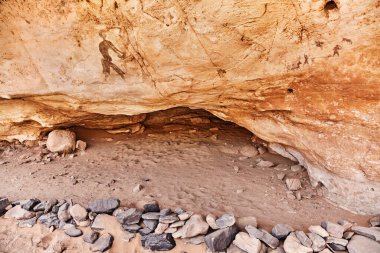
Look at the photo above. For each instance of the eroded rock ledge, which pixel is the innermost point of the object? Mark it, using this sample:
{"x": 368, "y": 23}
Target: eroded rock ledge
{"x": 300, "y": 74}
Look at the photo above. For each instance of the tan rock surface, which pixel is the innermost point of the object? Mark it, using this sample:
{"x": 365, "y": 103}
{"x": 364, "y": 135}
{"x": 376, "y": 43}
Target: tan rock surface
{"x": 292, "y": 72}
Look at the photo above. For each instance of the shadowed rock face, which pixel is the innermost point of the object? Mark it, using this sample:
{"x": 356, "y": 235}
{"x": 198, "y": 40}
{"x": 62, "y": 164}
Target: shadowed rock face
{"x": 298, "y": 73}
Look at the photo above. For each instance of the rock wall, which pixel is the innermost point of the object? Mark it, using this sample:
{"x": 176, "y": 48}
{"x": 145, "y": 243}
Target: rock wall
{"x": 303, "y": 74}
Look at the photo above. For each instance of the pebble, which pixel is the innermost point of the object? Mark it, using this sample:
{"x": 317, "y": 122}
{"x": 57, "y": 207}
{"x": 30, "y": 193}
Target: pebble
{"x": 196, "y": 225}
{"x": 296, "y": 168}
{"x": 103, "y": 243}
{"x": 293, "y": 245}
{"x": 165, "y": 212}
{"x": 90, "y": 237}
{"x": 293, "y": 184}
{"x": 264, "y": 164}
{"x": 249, "y": 151}
{"x": 73, "y": 232}
{"x": 137, "y": 188}
{"x": 319, "y": 231}
{"x": 19, "y": 213}
{"x": 281, "y": 176}
{"x": 362, "y": 244}
{"x": 348, "y": 235}
{"x": 81, "y": 145}
{"x": 318, "y": 243}
{"x": 78, "y": 212}
{"x": 127, "y": 236}
{"x": 104, "y": 205}
{"x": 227, "y": 220}
{"x": 155, "y": 242}
{"x": 4, "y": 203}
{"x": 371, "y": 233}
{"x": 333, "y": 229}
{"x": 219, "y": 240}
{"x": 281, "y": 231}
{"x": 130, "y": 216}
{"x": 263, "y": 236}
{"x": 242, "y": 222}
{"x": 247, "y": 243}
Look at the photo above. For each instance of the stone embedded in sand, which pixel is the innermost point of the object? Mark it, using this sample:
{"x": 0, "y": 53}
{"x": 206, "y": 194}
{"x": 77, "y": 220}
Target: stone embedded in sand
{"x": 130, "y": 216}
{"x": 27, "y": 223}
{"x": 73, "y": 232}
{"x": 362, "y": 244}
{"x": 104, "y": 205}
{"x": 227, "y": 220}
{"x": 61, "y": 141}
{"x": 263, "y": 236}
{"x": 333, "y": 229}
{"x": 19, "y": 213}
{"x": 81, "y": 145}
{"x": 293, "y": 184}
{"x": 319, "y": 231}
{"x": 304, "y": 239}
{"x": 249, "y": 151}
{"x": 264, "y": 164}
{"x": 156, "y": 242}
{"x": 375, "y": 221}
{"x": 30, "y": 204}
{"x": 293, "y": 245}
{"x": 247, "y": 243}
{"x": 281, "y": 231}
{"x": 78, "y": 212}
{"x": 91, "y": 236}
{"x": 318, "y": 243}
{"x": 196, "y": 225}
{"x": 103, "y": 243}
{"x": 219, "y": 240}
{"x": 371, "y": 233}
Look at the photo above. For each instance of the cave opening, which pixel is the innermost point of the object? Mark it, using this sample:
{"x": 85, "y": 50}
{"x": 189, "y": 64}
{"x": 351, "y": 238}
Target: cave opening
{"x": 180, "y": 157}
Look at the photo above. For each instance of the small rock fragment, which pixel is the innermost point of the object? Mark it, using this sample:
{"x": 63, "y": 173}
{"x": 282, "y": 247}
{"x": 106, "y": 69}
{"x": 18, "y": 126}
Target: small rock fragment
{"x": 73, "y": 232}
{"x": 127, "y": 236}
{"x": 264, "y": 164}
{"x": 293, "y": 245}
{"x": 318, "y": 243}
{"x": 293, "y": 184}
{"x": 81, "y": 145}
{"x": 304, "y": 239}
{"x": 91, "y": 237}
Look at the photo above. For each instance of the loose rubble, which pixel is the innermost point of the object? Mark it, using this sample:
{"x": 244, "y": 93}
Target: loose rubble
{"x": 160, "y": 227}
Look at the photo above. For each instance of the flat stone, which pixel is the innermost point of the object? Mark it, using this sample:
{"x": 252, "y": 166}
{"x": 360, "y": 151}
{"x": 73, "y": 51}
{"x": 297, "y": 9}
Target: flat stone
{"x": 27, "y": 223}
{"x": 129, "y": 217}
{"x": 362, "y": 244}
{"x": 104, "y": 205}
{"x": 19, "y": 213}
{"x": 177, "y": 224}
{"x": 152, "y": 224}
{"x": 348, "y": 235}
{"x": 221, "y": 239}
{"x": 333, "y": 229}
{"x": 134, "y": 228}
{"x": 296, "y": 168}
{"x": 64, "y": 213}
{"x": 100, "y": 221}
{"x": 103, "y": 243}
{"x": 170, "y": 230}
{"x": 78, "y": 212}
{"x": 185, "y": 216}
{"x": 196, "y": 240}
{"x": 318, "y": 242}
{"x": 263, "y": 236}
{"x": 211, "y": 221}
{"x": 319, "y": 231}
{"x": 339, "y": 241}
{"x": 281, "y": 231}
{"x": 249, "y": 151}
{"x": 293, "y": 245}
{"x": 304, "y": 239}
{"x": 163, "y": 242}
{"x": 145, "y": 231}
{"x": 247, "y": 243}
{"x": 336, "y": 247}
{"x": 346, "y": 224}
{"x": 293, "y": 184}
{"x": 127, "y": 236}
{"x": 177, "y": 234}
{"x": 242, "y": 222}
{"x": 371, "y": 233}
{"x": 280, "y": 176}
{"x": 151, "y": 216}
{"x": 30, "y": 204}
{"x": 151, "y": 206}
{"x": 264, "y": 164}
{"x": 161, "y": 227}
{"x": 171, "y": 218}
{"x": 375, "y": 221}
{"x": 40, "y": 206}
{"x": 73, "y": 232}
{"x": 91, "y": 236}
{"x": 227, "y": 220}
{"x": 196, "y": 225}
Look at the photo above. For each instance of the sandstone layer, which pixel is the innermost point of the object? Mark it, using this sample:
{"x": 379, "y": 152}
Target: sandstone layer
{"x": 302, "y": 74}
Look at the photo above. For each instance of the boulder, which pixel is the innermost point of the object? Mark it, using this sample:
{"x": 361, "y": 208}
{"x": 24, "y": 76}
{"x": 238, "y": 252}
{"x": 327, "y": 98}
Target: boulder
{"x": 61, "y": 141}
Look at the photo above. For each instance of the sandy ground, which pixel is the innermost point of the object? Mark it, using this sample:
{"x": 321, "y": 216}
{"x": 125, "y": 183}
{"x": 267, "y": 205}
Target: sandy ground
{"x": 177, "y": 166}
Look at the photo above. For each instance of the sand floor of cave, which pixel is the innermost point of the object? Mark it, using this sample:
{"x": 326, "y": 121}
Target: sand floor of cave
{"x": 177, "y": 168}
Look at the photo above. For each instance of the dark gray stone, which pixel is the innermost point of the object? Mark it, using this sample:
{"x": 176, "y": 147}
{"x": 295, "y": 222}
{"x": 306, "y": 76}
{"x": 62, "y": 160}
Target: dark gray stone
{"x": 40, "y": 207}
{"x": 91, "y": 237}
{"x": 129, "y": 217}
{"x": 151, "y": 207}
{"x": 221, "y": 239}
{"x": 168, "y": 219}
{"x": 152, "y": 224}
{"x": 49, "y": 219}
{"x": 336, "y": 247}
{"x": 362, "y": 244}
{"x": 227, "y": 220}
{"x": 27, "y": 223}
{"x": 103, "y": 243}
{"x": 263, "y": 236}
{"x": 4, "y": 202}
{"x": 281, "y": 231}
{"x": 30, "y": 204}
{"x": 145, "y": 231}
{"x": 163, "y": 242}
{"x": 73, "y": 232}
{"x": 104, "y": 205}
{"x": 132, "y": 228}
